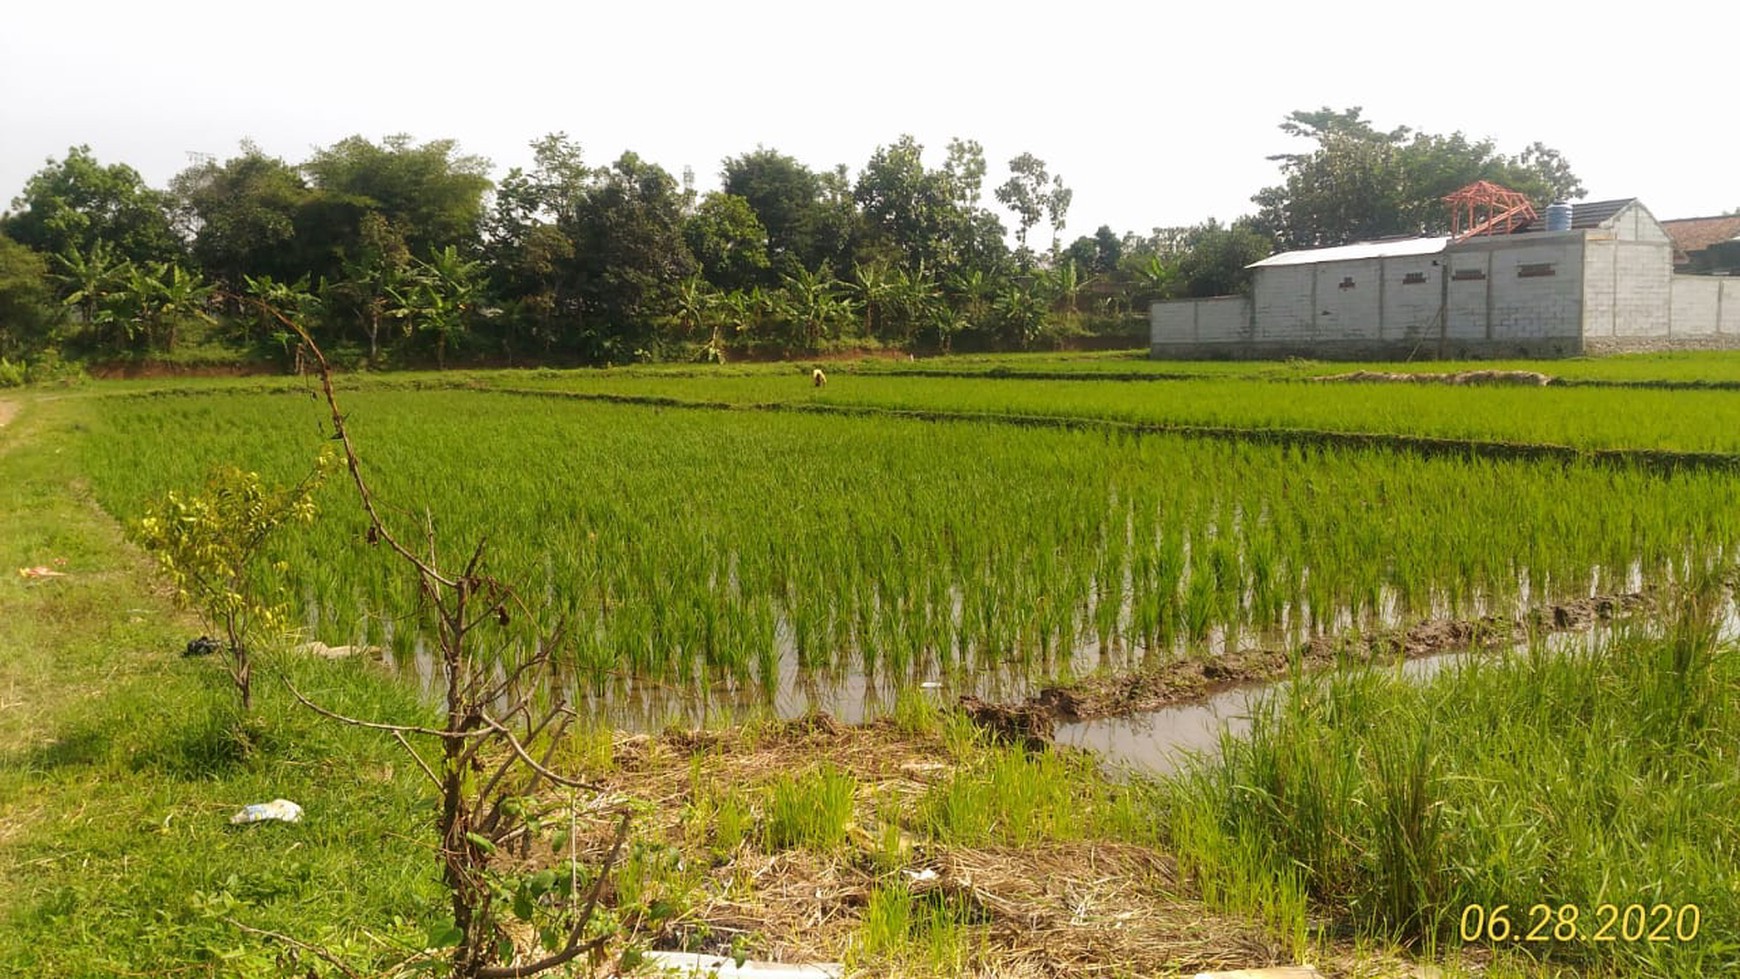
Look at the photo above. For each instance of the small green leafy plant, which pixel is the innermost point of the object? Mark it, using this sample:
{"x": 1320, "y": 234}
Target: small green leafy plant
{"x": 211, "y": 544}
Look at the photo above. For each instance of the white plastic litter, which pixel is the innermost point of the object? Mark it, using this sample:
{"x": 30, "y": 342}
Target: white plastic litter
{"x": 282, "y": 810}
{"x": 694, "y": 965}
{"x": 318, "y": 648}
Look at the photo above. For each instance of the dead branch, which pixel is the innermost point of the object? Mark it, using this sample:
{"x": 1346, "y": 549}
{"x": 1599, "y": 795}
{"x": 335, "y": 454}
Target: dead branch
{"x": 574, "y": 946}
{"x": 324, "y": 955}
{"x": 378, "y": 726}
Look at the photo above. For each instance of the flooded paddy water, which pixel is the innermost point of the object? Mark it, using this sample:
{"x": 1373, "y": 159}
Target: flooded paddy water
{"x": 1195, "y": 693}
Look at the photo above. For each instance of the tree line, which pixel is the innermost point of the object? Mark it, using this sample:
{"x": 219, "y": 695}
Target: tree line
{"x": 404, "y": 251}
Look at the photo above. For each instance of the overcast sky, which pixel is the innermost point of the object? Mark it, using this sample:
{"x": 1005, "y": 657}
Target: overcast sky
{"x": 1155, "y": 113}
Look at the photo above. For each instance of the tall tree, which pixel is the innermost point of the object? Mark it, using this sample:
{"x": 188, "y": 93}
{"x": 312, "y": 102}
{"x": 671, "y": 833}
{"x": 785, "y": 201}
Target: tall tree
{"x": 1359, "y": 182}
{"x": 27, "y": 307}
{"x": 1033, "y": 195}
{"x": 630, "y": 256}
{"x": 77, "y": 202}
{"x": 805, "y": 226}
{"x": 241, "y": 216}
{"x": 928, "y": 219}
{"x": 1098, "y": 255}
{"x": 1215, "y": 258}
{"x": 431, "y": 194}
{"x": 532, "y": 265}
{"x": 728, "y": 241}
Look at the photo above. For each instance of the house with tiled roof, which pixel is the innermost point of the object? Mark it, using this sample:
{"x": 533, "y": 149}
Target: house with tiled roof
{"x": 1706, "y": 246}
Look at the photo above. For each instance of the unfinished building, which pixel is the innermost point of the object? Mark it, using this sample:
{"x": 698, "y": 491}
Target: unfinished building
{"x": 1584, "y": 279}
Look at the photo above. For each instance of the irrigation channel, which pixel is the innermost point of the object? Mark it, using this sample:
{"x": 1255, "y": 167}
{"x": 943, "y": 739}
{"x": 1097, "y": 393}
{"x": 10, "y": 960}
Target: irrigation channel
{"x": 1164, "y": 740}
{"x": 1192, "y": 702}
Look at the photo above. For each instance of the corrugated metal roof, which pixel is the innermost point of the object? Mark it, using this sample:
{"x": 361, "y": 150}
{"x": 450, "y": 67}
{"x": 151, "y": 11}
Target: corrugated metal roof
{"x": 1365, "y": 249}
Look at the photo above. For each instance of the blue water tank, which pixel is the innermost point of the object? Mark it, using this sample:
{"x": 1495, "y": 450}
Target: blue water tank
{"x": 1558, "y": 216}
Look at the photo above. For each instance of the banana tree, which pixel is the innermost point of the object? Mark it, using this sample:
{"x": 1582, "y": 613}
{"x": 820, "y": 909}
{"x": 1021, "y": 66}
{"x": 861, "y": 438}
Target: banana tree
{"x": 438, "y": 298}
{"x": 874, "y": 287}
{"x": 913, "y": 299}
{"x": 90, "y": 278}
{"x": 1066, "y": 283}
{"x": 1021, "y": 313}
{"x": 293, "y": 297}
{"x": 697, "y": 304}
{"x": 181, "y": 295}
{"x": 813, "y": 305}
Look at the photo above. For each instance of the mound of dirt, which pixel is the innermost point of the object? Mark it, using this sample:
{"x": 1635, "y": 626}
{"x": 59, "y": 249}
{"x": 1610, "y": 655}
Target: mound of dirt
{"x": 1519, "y": 378}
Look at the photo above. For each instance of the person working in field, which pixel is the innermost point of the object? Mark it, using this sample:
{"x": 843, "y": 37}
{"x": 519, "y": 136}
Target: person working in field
{"x": 820, "y": 379}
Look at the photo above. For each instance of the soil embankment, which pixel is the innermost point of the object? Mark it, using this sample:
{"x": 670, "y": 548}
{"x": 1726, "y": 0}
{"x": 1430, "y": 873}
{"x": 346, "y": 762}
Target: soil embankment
{"x": 1189, "y": 680}
{"x": 1488, "y": 377}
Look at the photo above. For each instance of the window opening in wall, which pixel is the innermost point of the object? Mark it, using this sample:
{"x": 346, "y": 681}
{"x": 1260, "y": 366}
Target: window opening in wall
{"x": 1414, "y": 279}
{"x": 1346, "y": 282}
{"x": 1467, "y": 275}
{"x": 1534, "y": 270}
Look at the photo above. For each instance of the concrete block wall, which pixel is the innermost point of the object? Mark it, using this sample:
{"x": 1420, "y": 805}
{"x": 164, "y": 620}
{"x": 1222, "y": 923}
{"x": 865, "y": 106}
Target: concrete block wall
{"x": 1630, "y": 289}
{"x": 1635, "y": 223}
{"x": 1705, "y": 305}
{"x": 1697, "y": 305}
{"x": 1173, "y": 322}
{"x": 1284, "y": 304}
{"x": 1467, "y": 294}
{"x": 1225, "y": 320}
{"x": 1347, "y": 306}
{"x": 1412, "y": 295}
{"x": 1599, "y": 257}
{"x": 1535, "y": 306}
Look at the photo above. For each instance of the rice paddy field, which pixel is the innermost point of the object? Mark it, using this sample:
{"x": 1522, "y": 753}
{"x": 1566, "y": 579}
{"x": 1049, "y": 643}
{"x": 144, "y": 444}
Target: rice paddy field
{"x": 738, "y": 552}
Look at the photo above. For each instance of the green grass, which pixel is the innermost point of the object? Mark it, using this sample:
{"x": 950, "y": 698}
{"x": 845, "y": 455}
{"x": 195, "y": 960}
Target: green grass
{"x": 810, "y": 809}
{"x": 122, "y": 763}
{"x": 1579, "y": 778}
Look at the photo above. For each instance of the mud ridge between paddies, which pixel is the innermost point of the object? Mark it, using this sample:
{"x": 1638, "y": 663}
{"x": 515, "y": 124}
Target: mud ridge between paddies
{"x": 1475, "y": 377}
{"x": 1429, "y": 446}
{"x": 1182, "y": 681}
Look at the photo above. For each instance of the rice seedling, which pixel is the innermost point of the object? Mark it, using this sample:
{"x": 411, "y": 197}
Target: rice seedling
{"x": 703, "y": 561}
{"x": 1585, "y": 417}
